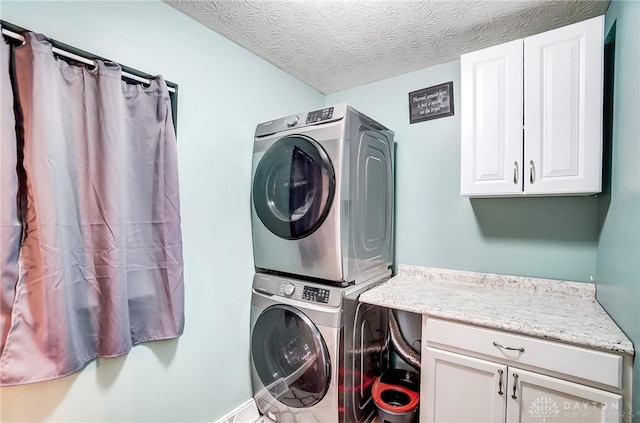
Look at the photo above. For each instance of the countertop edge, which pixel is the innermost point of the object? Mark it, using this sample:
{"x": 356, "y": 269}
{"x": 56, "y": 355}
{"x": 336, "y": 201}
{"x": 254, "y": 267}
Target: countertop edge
{"x": 617, "y": 348}
{"x": 387, "y": 295}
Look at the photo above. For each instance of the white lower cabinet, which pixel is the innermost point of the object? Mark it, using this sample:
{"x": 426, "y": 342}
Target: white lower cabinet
{"x": 471, "y": 374}
{"x": 532, "y": 397}
{"x": 461, "y": 389}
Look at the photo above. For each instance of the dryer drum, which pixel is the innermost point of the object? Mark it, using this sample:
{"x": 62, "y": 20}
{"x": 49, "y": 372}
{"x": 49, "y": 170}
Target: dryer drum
{"x": 293, "y": 187}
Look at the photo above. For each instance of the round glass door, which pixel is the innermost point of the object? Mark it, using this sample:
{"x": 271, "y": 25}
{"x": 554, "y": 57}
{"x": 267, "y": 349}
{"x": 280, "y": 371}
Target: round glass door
{"x": 290, "y": 356}
{"x": 293, "y": 187}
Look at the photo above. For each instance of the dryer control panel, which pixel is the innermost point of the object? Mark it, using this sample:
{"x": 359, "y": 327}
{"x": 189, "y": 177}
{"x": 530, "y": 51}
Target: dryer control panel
{"x": 320, "y": 115}
{"x": 294, "y": 122}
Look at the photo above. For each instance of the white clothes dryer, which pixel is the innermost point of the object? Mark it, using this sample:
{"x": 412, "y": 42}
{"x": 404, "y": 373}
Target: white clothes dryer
{"x": 322, "y": 203}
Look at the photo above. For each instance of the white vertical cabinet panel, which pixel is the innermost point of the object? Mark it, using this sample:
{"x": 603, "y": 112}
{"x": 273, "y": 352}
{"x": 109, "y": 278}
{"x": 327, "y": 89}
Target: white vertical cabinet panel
{"x": 532, "y": 398}
{"x": 563, "y": 73}
{"x": 492, "y": 107}
{"x": 462, "y": 389}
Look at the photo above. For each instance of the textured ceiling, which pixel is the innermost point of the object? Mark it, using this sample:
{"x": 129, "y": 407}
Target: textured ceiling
{"x": 333, "y": 45}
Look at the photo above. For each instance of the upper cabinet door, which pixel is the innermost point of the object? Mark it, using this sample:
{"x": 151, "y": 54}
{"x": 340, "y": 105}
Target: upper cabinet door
{"x": 563, "y": 73}
{"x": 491, "y": 149}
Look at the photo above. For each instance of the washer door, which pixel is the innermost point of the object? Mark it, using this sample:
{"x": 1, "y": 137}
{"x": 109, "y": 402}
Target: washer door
{"x": 290, "y": 356}
{"x": 293, "y": 187}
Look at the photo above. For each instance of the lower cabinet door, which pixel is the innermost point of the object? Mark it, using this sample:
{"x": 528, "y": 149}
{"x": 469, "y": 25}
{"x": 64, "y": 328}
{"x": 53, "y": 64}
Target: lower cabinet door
{"x": 461, "y": 389}
{"x": 533, "y": 397}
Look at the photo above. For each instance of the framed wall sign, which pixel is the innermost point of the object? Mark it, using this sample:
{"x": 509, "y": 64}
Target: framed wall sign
{"x": 431, "y": 103}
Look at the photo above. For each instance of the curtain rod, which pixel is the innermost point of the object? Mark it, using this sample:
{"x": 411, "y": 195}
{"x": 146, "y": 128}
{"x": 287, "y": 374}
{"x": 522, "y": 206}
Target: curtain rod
{"x": 58, "y": 51}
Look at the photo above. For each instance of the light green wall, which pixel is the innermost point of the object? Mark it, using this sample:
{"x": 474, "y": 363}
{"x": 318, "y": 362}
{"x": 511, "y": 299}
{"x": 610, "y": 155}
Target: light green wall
{"x": 198, "y": 378}
{"x": 542, "y": 237}
{"x": 224, "y": 91}
{"x": 618, "y": 258}
{"x": 573, "y": 238}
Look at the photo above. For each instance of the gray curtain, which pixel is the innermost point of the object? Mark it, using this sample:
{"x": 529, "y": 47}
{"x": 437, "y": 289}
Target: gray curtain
{"x": 101, "y": 256}
{"x": 10, "y": 228}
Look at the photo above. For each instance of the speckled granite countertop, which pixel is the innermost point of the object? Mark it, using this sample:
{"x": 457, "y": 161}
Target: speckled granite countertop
{"x": 543, "y": 308}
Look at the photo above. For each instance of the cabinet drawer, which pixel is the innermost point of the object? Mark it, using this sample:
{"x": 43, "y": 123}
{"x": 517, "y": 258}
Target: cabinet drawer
{"x": 597, "y": 366}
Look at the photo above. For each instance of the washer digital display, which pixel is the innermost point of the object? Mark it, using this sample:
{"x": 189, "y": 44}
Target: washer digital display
{"x": 317, "y": 295}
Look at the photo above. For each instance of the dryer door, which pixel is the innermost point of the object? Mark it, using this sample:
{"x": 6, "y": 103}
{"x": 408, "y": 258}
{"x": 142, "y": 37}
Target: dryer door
{"x": 290, "y": 356}
{"x": 293, "y": 187}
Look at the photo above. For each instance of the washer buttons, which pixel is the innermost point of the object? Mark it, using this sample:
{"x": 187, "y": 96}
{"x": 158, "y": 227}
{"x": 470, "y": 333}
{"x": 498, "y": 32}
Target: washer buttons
{"x": 289, "y": 289}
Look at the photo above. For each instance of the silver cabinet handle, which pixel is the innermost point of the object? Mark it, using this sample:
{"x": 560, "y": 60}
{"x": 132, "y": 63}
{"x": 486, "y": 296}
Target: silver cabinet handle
{"x": 521, "y": 349}
{"x": 500, "y": 392}
{"x": 515, "y": 173}
{"x": 515, "y": 386}
{"x": 532, "y": 172}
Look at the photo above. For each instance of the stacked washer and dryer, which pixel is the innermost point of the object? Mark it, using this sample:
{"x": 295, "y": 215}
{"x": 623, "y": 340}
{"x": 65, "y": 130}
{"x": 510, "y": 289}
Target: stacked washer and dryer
{"x": 322, "y": 210}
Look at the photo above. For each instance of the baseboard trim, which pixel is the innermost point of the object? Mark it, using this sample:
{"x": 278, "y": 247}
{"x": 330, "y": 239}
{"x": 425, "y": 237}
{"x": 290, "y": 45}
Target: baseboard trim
{"x": 246, "y": 412}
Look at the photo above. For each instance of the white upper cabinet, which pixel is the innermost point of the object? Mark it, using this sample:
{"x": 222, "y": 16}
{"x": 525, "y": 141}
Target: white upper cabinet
{"x": 492, "y": 108}
{"x": 563, "y": 109}
{"x": 532, "y": 114}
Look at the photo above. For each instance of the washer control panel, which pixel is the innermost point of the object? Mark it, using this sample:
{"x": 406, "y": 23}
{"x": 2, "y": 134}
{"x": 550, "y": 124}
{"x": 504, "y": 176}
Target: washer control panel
{"x": 315, "y": 294}
{"x": 305, "y": 291}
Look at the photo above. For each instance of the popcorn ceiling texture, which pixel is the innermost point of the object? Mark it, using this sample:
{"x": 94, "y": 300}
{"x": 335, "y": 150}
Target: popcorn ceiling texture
{"x": 333, "y": 45}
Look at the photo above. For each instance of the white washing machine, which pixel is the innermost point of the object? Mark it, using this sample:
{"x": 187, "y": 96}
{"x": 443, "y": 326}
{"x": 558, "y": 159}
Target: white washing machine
{"x": 315, "y": 350}
{"x": 322, "y": 202}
